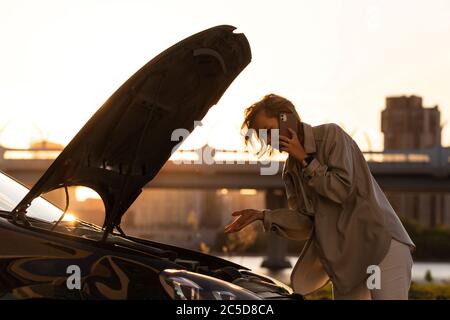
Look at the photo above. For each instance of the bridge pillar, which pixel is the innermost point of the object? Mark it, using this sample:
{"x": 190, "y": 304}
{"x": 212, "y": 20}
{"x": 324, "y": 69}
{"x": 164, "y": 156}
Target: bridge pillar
{"x": 277, "y": 246}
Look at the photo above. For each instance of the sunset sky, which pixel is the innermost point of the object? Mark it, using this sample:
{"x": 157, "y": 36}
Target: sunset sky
{"x": 336, "y": 60}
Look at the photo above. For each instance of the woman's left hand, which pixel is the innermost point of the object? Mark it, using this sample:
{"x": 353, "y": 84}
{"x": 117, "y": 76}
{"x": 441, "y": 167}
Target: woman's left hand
{"x": 244, "y": 218}
{"x": 293, "y": 146}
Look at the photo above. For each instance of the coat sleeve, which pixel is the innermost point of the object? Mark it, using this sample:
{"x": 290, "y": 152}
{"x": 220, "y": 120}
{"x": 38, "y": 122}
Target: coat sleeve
{"x": 288, "y": 223}
{"x": 333, "y": 180}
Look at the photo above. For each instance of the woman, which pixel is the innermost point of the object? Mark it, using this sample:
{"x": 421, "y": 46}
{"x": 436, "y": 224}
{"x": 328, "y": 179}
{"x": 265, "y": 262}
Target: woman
{"x": 354, "y": 237}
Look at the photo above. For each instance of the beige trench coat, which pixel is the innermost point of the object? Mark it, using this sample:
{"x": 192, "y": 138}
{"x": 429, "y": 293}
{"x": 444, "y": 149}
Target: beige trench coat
{"x": 336, "y": 204}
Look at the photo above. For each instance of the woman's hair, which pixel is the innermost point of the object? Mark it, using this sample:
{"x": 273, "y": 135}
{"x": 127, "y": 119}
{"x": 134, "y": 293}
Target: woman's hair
{"x": 272, "y": 105}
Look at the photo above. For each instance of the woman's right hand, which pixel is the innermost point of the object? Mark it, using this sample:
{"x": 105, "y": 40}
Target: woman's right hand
{"x": 244, "y": 218}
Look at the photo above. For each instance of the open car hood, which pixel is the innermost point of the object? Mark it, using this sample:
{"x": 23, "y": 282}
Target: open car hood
{"x": 127, "y": 141}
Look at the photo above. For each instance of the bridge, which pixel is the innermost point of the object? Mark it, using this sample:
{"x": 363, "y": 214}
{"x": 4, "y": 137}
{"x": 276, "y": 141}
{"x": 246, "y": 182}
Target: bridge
{"x": 424, "y": 170}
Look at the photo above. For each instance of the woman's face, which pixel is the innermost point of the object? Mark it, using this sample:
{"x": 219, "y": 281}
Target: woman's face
{"x": 265, "y": 122}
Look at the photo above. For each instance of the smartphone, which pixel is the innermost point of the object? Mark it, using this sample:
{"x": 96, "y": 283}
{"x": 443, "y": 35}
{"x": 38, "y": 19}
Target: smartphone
{"x": 287, "y": 120}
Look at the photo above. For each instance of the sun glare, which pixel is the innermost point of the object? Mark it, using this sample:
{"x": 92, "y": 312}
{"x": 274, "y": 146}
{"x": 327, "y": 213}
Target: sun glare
{"x": 69, "y": 217}
{"x": 82, "y": 194}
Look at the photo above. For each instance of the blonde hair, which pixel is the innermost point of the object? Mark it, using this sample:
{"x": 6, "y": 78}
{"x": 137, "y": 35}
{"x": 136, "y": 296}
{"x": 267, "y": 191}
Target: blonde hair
{"x": 272, "y": 105}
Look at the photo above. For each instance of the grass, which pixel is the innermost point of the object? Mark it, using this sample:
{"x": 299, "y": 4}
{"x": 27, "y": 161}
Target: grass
{"x": 429, "y": 291}
{"x": 417, "y": 291}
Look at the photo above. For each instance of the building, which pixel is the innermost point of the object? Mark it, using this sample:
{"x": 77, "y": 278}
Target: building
{"x": 407, "y": 124}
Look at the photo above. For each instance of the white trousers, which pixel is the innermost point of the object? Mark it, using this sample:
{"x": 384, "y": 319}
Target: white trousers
{"x": 395, "y": 274}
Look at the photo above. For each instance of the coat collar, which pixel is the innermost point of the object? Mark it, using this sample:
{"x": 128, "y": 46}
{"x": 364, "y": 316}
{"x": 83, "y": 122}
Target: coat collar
{"x": 309, "y": 141}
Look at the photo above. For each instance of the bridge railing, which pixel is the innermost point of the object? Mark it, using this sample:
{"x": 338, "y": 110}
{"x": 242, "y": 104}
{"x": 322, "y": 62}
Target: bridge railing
{"x": 433, "y": 160}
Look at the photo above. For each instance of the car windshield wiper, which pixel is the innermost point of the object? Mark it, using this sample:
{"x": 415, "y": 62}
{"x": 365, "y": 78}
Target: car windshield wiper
{"x": 9, "y": 215}
{"x": 78, "y": 223}
{"x": 5, "y": 213}
{"x": 21, "y": 215}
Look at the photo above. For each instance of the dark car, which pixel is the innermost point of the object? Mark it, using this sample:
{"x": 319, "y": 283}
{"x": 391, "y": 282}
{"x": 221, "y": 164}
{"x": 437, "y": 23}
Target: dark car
{"x": 119, "y": 150}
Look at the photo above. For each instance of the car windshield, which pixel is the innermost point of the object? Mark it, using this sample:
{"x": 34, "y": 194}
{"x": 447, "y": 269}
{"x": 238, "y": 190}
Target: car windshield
{"x": 11, "y": 192}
